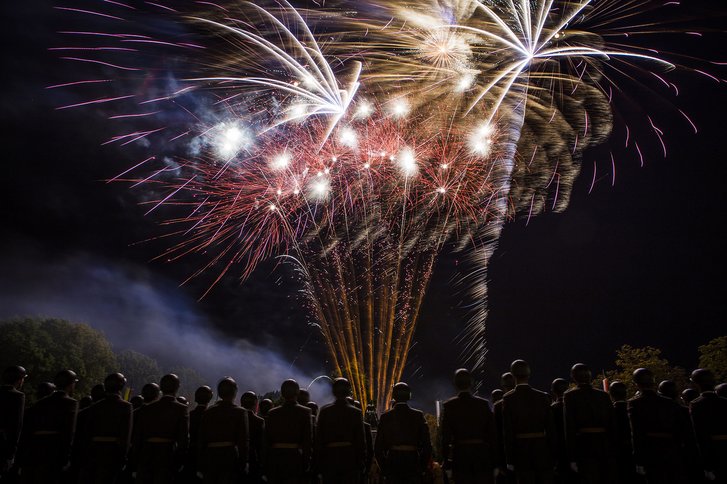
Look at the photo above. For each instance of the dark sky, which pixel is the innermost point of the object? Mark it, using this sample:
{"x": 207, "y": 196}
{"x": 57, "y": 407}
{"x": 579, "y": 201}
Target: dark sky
{"x": 641, "y": 262}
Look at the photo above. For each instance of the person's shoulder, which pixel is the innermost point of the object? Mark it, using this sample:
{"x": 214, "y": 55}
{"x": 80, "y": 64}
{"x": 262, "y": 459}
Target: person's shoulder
{"x": 387, "y": 415}
{"x": 303, "y": 410}
{"x": 415, "y": 412}
{"x": 326, "y": 408}
{"x": 480, "y": 401}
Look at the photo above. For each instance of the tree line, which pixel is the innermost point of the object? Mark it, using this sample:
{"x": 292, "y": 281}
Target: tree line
{"x": 45, "y": 345}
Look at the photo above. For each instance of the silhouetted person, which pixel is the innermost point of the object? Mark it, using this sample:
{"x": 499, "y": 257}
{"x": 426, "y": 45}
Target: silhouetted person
{"x": 690, "y": 453}
{"x": 50, "y": 431}
{"x": 106, "y": 434}
{"x": 688, "y": 395}
{"x": 265, "y": 406}
{"x": 288, "y": 439}
{"x": 80, "y": 443}
{"x": 98, "y": 392}
{"x": 659, "y": 434}
{"x": 590, "y": 429}
{"x": 624, "y": 451}
{"x": 256, "y": 427}
{"x": 403, "y": 447}
{"x": 709, "y": 414}
{"x": 507, "y": 382}
{"x": 496, "y": 396}
{"x": 530, "y": 439}
{"x": 468, "y": 429}
{"x": 12, "y": 405}
{"x": 223, "y": 437}
{"x": 44, "y": 389}
{"x": 313, "y": 406}
{"x": 668, "y": 389}
{"x": 202, "y": 397}
{"x": 303, "y": 397}
{"x": 562, "y": 469}
{"x": 340, "y": 445}
{"x": 161, "y": 435}
{"x": 721, "y": 390}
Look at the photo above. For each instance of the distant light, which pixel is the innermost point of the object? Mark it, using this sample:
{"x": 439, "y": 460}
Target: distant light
{"x": 326, "y": 171}
{"x": 399, "y": 108}
{"x": 320, "y": 189}
{"x": 479, "y": 141}
{"x": 442, "y": 190}
{"x": 279, "y": 192}
{"x": 347, "y": 137}
{"x": 230, "y": 139}
{"x": 298, "y": 111}
{"x": 444, "y": 166}
{"x": 465, "y": 82}
{"x": 367, "y": 165}
{"x": 407, "y": 162}
{"x": 272, "y": 207}
{"x": 296, "y": 191}
{"x": 281, "y": 161}
{"x": 364, "y": 109}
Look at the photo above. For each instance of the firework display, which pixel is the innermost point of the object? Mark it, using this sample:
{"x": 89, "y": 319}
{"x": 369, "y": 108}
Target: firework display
{"x": 356, "y": 140}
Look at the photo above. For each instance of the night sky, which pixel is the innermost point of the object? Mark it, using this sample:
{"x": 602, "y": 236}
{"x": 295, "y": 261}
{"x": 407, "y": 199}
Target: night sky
{"x": 641, "y": 262}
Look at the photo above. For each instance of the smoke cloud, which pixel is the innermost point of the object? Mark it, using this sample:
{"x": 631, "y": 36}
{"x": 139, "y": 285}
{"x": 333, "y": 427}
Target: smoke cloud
{"x": 139, "y": 310}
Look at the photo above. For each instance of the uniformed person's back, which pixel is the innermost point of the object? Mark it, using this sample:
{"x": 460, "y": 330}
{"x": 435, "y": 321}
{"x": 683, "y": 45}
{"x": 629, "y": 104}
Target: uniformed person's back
{"x": 590, "y": 429}
{"x": 340, "y": 445}
{"x": 529, "y": 431}
{"x": 690, "y": 452}
{"x": 709, "y": 414}
{"x": 265, "y": 406}
{"x": 288, "y": 439}
{"x": 403, "y": 447}
{"x": 223, "y": 437}
{"x": 256, "y": 427}
{"x": 659, "y": 435}
{"x": 161, "y": 435}
{"x": 106, "y": 434}
{"x": 625, "y": 472}
{"x": 12, "y": 407}
{"x": 49, "y": 432}
{"x": 468, "y": 429}
{"x": 202, "y": 397}
{"x": 507, "y": 384}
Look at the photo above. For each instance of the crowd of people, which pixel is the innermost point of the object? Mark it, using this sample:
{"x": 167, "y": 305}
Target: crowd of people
{"x": 575, "y": 434}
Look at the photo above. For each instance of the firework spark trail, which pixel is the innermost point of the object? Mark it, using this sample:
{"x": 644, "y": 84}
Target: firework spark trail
{"x": 360, "y": 145}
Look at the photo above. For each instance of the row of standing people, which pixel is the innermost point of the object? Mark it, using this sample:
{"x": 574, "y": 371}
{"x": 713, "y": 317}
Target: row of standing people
{"x": 584, "y": 436}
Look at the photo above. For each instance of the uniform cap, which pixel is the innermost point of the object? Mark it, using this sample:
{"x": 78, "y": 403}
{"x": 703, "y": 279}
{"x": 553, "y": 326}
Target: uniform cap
{"x": 401, "y": 392}
{"x": 644, "y": 377}
{"x": 559, "y": 386}
{"x": 289, "y": 389}
{"x": 248, "y": 400}
{"x": 704, "y": 379}
{"x": 64, "y": 378}
{"x": 520, "y": 369}
{"x": 341, "y": 388}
